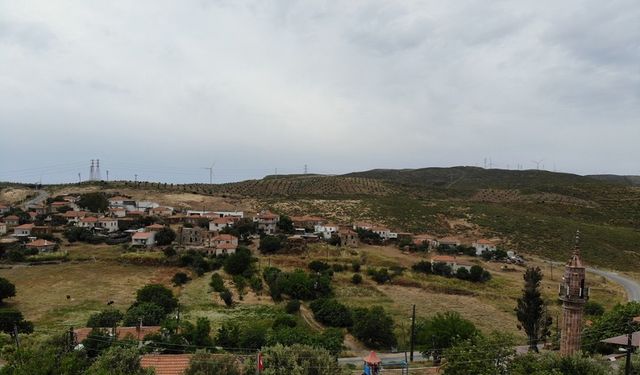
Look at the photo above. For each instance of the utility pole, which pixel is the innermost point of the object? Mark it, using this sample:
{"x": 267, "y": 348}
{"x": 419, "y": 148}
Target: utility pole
{"x": 107, "y": 175}
{"x": 136, "y": 178}
{"x": 17, "y": 341}
{"x": 72, "y": 339}
{"x": 412, "y": 338}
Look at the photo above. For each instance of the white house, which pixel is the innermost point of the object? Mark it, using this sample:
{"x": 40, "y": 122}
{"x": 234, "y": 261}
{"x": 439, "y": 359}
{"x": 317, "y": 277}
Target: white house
{"x": 123, "y": 202}
{"x": 450, "y": 241}
{"x": 225, "y": 244}
{"x": 220, "y": 223}
{"x": 326, "y": 230}
{"x": 88, "y": 222}
{"x": 23, "y": 230}
{"x": 384, "y": 233}
{"x": 74, "y": 216}
{"x": 238, "y": 214}
{"x": 147, "y": 205}
{"x": 109, "y": 224}
{"x": 3, "y": 228}
{"x": 118, "y": 212}
{"x": 451, "y": 262}
{"x": 4, "y": 209}
{"x": 143, "y": 239}
{"x": 483, "y": 245}
{"x": 267, "y": 222}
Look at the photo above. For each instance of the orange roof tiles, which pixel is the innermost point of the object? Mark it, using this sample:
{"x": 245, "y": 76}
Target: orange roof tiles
{"x": 25, "y": 226}
{"x": 143, "y": 235}
{"x": 121, "y": 332}
{"x": 225, "y": 237}
{"x": 12, "y": 217}
{"x": 40, "y": 243}
{"x": 166, "y": 364}
{"x": 443, "y": 259}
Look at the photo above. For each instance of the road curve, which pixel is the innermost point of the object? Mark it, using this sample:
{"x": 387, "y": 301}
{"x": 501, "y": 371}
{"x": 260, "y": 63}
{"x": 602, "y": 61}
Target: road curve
{"x": 41, "y": 197}
{"x": 630, "y": 286}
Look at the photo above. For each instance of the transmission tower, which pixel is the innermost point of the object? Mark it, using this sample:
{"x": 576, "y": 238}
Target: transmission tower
{"x": 97, "y": 171}
{"x": 92, "y": 171}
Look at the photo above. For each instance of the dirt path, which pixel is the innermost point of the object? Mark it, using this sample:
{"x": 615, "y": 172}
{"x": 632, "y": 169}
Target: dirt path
{"x": 350, "y": 342}
{"x": 307, "y": 315}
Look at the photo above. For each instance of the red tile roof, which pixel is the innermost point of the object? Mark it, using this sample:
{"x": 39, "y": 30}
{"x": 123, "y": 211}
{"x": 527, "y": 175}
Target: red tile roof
{"x": 25, "y": 226}
{"x": 166, "y": 364}
{"x": 12, "y": 217}
{"x": 89, "y": 219}
{"x": 75, "y": 214}
{"x": 225, "y": 237}
{"x": 143, "y": 235}
{"x": 155, "y": 226}
{"x": 40, "y": 243}
{"x": 122, "y": 332}
{"x": 443, "y": 259}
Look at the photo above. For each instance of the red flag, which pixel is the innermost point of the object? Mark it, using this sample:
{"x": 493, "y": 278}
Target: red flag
{"x": 260, "y": 363}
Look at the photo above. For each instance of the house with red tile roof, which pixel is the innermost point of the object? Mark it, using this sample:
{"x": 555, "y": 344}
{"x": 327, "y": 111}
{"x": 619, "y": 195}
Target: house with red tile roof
{"x": 23, "y": 230}
{"x": 4, "y": 209}
{"x": 132, "y": 333}
{"x": 154, "y": 227}
{"x": 3, "y": 228}
{"x": 166, "y": 364}
{"x": 219, "y": 223}
{"x": 12, "y": 220}
{"x": 74, "y": 216}
{"x": 41, "y": 245}
{"x": 224, "y": 244}
{"x": 88, "y": 222}
{"x": 143, "y": 239}
{"x": 108, "y": 224}
{"x": 348, "y": 237}
{"x": 267, "y": 222}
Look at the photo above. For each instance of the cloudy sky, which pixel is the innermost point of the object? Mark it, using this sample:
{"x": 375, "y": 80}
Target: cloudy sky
{"x": 164, "y": 88}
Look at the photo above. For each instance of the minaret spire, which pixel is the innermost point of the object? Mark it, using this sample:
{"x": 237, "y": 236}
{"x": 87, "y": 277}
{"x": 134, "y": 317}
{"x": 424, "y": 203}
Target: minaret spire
{"x": 574, "y": 294}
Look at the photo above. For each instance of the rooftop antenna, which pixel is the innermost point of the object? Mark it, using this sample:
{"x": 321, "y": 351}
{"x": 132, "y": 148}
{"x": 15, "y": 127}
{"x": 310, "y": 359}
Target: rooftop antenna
{"x": 537, "y": 163}
{"x": 210, "y": 172}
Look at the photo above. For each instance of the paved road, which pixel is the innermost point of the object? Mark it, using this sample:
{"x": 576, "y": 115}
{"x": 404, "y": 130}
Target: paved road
{"x": 630, "y": 286}
{"x": 41, "y": 197}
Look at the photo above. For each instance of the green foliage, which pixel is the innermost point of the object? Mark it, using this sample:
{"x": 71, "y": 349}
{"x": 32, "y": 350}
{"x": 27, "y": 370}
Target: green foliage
{"x": 441, "y": 269}
{"x": 593, "y": 308}
{"x": 369, "y": 237}
{"x": 7, "y": 289}
{"x": 485, "y": 356}
{"x": 270, "y": 244}
{"x": 165, "y": 236}
{"x": 180, "y": 278}
{"x": 554, "y": 364}
{"x": 478, "y": 274}
{"x": 355, "y": 266}
{"x": 241, "y": 284}
{"x": 255, "y": 283}
{"x": 374, "y": 327}
{"x": 205, "y": 363}
{"x": 299, "y": 360}
{"x": 118, "y": 360}
{"x": 422, "y": 266}
{"x": 356, "y": 279}
{"x": 283, "y": 321}
{"x": 159, "y": 295}
{"x": 285, "y": 225}
{"x": 612, "y": 323}
{"x": 239, "y": 262}
{"x": 169, "y": 252}
{"x": 380, "y": 275}
{"x": 331, "y": 313}
{"x": 11, "y": 317}
{"x": 94, "y": 202}
{"x": 531, "y": 310}
{"x": 319, "y": 266}
{"x": 442, "y": 331}
{"x": 150, "y": 313}
{"x": 74, "y": 234}
{"x": 227, "y": 297}
{"x": 228, "y": 335}
{"x": 105, "y": 318}
{"x": 97, "y": 341}
{"x": 292, "y": 306}
{"x": 217, "y": 283}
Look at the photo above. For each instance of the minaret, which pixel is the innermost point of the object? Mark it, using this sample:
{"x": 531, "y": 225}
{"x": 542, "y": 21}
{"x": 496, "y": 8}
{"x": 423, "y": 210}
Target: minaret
{"x": 573, "y": 295}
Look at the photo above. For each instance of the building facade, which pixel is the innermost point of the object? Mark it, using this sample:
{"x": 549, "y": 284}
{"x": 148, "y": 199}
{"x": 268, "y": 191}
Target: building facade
{"x": 574, "y": 294}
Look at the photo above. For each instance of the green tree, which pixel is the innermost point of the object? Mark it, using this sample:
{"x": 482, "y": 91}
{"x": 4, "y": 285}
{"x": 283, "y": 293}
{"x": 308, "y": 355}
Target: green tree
{"x": 422, "y": 266}
{"x": 105, "y": 318}
{"x": 165, "y": 236}
{"x": 299, "y": 360}
{"x": 94, "y": 202}
{"x": 180, "y": 278}
{"x": 292, "y": 307}
{"x": 374, "y": 327}
{"x": 228, "y": 335}
{"x": 593, "y": 308}
{"x": 489, "y": 355}
{"x": 285, "y": 224}
{"x": 227, "y": 297}
{"x": 10, "y": 318}
{"x": 7, "y": 289}
{"x": 118, "y": 360}
{"x": 356, "y": 278}
{"x": 159, "y": 295}
{"x": 238, "y": 262}
{"x": 612, "y": 323}
{"x": 270, "y": 244}
{"x": 442, "y": 331}
{"x": 554, "y": 364}
{"x": 150, "y": 314}
{"x": 331, "y": 313}
{"x": 217, "y": 283}
{"x": 531, "y": 310}
{"x": 205, "y": 363}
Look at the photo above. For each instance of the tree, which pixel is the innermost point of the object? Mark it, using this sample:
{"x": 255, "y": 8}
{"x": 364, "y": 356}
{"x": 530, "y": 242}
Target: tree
{"x": 217, "y": 283}
{"x": 331, "y": 313}
{"x": 356, "y": 278}
{"x": 442, "y": 331}
{"x": 285, "y": 224}
{"x": 478, "y": 274}
{"x": 270, "y": 244}
{"x": 612, "y": 323}
{"x": 180, "y": 278}
{"x": 292, "y": 307}
{"x": 105, "y": 318}
{"x": 422, "y": 266}
{"x": 7, "y": 289}
{"x": 552, "y": 364}
{"x": 593, "y": 308}
{"x": 531, "y": 310}
{"x": 151, "y": 314}
{"x": 94, "y": 202}
{"x": 228, "y": 335}
{"x": 10, "y": 318}
{"x": 118, "y": 360}
{"x": 374, "y": 327}
{"x": 227, "y": 297}
{"x": 165, "y": 236}
{"x": 205, "y": 363}
{"x": 159, "y": 295}
{"x": 318, "y": 266}
{"x": 485, "y": 356}
{"x": 298, "y": 359}
{"x": 238, "y": 262}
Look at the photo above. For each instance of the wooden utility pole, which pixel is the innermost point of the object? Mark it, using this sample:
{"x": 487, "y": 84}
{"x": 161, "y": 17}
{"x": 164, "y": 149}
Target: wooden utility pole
{"x": 413, "y": 335}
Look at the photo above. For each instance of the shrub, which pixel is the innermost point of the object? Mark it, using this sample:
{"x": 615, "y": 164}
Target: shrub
{"x": 180, "y": 278}
{"x": 7, "y": 289}
{"x": 217, "y": 283}
{"x": 270, "y": 244}
{"x": 105, "y": 318}
{"x": 422, "y": 267}
{"x": 593, "y": 308}
{"x": 169, "y": 252}
{"x": 238, "y": 262}
{"x": 165, "y": 236}
{"x": 227, "y": 297}
{"x": 374, "y": 327}
{"x": 255, "y": 283}
{"x": 150, "y": 314}
{"x": 159, "y": 295}
{"x": 355, "y": 266}
{"x": 380, "y": 276}
{"x": 356, "y": 278}
{"x": 292, "y": 307}
{"x": 331, "y": 313}
{"x": 284, "y": 321}
{"x": 318, "y": 266}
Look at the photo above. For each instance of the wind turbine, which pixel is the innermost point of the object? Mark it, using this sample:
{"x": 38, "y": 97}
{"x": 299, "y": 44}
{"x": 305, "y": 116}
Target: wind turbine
{"x": 537, "y": 163}
{"x": 210, "y": 172}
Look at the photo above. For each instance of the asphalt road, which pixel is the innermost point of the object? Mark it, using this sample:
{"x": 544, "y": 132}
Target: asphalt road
{"x": 41, "y": 197}
{"x": 630, "y": 286}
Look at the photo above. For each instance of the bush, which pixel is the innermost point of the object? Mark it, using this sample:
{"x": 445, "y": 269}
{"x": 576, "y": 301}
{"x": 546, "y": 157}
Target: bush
{"x": 217, "y": 283}
{"x": 169, "y": 252}
{"x": 255, "y": 283}
{"x": 593, "y": 308}
{"x": 180, "y": 278}
{"x": 292, "y": 307}
{"x": 356, "y": 278}
{"x": 355, "y": 266}
{"x": 227, "y": 297}
{"x": 150, "y": 314}
{"x": 239, "y": 262}
{"x": 373, "y": 327}
{"x": 318, "y": 266}
{"x": 270, "y": 244}
{"x": 441, "y": 269}
{"x": 105, "y": 318}
{"x": 204, "y": 363}
{"x": 283, "y": 321}
{"x": 380, "y": 276}
{"x": 331, "y": 313}
{"x": 7, "y": 289}
{"x": 159, "y": 295}
{"x": 422, "y": 267}
{"x": 165, "y": 236}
